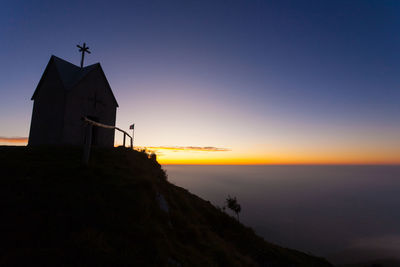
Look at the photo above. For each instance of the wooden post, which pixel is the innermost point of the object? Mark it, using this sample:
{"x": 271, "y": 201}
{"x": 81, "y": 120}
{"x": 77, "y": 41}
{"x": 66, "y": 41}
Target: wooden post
{"x": 132, "y": 127}
{"x": 124, "y": 139}
{"x": 88, "y": 144}
{"x": 133, "y": 131}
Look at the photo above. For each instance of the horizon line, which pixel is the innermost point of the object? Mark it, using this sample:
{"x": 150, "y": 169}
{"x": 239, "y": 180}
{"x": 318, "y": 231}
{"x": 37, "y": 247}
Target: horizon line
{"x": 248, "y": 162}
{"x": 282, "y": 164}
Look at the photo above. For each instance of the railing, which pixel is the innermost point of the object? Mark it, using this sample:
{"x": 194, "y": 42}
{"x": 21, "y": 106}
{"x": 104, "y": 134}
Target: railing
{"x": 88, "y": 143}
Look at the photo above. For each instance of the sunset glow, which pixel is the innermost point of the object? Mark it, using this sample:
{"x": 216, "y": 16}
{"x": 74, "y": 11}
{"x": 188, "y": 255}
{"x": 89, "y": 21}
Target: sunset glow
{"x": 225, "y": 83}
{"x": 186, "y": 157}
{"x": 196, "y": 155}
{"x": 13, "y": 140}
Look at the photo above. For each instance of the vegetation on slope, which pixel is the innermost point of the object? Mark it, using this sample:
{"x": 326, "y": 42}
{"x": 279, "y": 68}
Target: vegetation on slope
{"x": 119, "y": 210}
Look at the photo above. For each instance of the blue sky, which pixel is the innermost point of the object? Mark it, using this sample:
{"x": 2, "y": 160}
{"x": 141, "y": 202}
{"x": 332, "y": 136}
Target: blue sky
{"x": 259, "y": 75}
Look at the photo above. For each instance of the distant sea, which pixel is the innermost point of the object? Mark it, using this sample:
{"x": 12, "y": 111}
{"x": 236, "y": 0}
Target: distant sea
{"x": 344, "y": 213}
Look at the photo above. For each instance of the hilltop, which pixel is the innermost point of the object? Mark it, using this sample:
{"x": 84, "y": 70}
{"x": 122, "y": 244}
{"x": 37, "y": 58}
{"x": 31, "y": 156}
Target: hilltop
{"x": 119, "y": 210}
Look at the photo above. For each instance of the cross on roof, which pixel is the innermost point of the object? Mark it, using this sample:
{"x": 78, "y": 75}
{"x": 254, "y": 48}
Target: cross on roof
{"x": 83, "y": 49}
{"x": 95, "y": 101}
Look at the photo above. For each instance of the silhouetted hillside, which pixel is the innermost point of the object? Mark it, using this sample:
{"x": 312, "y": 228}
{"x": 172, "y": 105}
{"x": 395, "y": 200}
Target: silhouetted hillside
{"x": 375, "y": 263}
{"x": 119, "y": 210}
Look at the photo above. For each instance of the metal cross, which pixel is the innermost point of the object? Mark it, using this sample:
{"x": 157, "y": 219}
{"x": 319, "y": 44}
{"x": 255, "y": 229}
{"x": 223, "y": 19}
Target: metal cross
{"x": 95, "y": 101}
{"x": 83, "y": 49}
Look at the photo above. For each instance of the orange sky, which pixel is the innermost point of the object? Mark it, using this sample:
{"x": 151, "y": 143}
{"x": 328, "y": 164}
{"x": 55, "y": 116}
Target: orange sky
{"x": 265, "y": 157}
{"x": 261, "y": 155}
{"x": 13, "y": 140}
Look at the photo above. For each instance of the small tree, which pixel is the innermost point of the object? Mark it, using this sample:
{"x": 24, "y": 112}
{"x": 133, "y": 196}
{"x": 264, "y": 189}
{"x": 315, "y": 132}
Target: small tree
{"x": 232, "y": 204}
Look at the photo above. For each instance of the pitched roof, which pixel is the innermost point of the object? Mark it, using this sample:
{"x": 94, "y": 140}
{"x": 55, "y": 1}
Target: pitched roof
{"x": 71, "y": 74}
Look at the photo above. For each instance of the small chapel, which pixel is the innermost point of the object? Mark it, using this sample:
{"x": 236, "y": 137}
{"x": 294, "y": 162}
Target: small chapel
{"x": 64, "y": 95}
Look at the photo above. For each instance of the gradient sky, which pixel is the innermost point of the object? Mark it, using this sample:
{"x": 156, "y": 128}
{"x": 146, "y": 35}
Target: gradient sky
{"x": 269, "y": 81}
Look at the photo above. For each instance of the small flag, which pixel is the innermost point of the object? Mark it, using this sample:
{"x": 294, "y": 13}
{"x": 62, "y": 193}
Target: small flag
{"x": 132, "y": 127}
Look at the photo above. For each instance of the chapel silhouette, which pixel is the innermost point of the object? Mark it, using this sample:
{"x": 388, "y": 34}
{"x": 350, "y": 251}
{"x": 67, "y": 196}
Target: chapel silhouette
{"x": 64, "y": 95}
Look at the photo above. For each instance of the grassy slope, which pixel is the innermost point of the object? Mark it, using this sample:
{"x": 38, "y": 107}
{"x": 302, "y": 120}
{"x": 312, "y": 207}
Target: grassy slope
{"x": 375, "y": 263}
{"x": 56, "y": 211}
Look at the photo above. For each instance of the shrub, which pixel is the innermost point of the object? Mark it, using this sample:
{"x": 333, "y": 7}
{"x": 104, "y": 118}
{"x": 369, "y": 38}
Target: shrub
{"x": 232, "y": 204}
